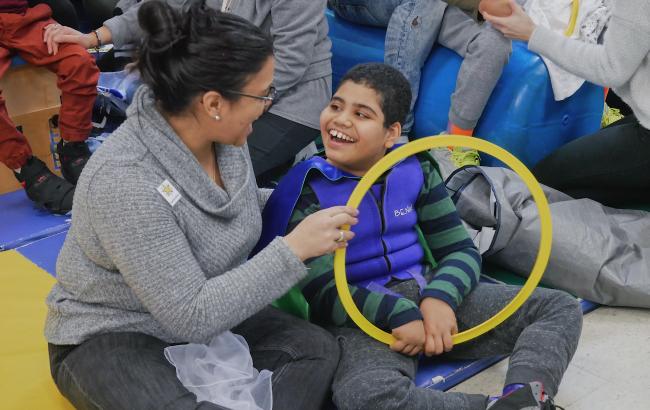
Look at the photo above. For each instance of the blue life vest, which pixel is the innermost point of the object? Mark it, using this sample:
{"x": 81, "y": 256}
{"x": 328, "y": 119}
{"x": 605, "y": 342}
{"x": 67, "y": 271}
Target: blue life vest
{"x": 386, "y": 244}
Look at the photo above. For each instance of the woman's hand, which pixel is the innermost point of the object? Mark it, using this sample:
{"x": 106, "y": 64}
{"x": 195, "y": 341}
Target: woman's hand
{"x": 517, "y": 25}
{"x": 320, "y": 233}
{"x": 56, "y": 34}
{"x": 439, "y": 326}
{"x": 409, "y": 338}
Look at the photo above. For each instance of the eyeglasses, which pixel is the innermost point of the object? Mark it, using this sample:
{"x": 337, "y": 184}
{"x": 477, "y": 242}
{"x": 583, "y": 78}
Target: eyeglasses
{"x": 268, "y": 98}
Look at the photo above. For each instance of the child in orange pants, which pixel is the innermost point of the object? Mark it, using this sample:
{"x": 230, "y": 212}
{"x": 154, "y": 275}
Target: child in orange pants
{"x": 21, "y": 32}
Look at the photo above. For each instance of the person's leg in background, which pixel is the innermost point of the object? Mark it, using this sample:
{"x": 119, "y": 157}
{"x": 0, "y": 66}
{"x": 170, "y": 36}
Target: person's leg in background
{"x": 611, "y": 166}
{"x": 485, "y": 52}
{"x": 110, "y": 62}
{"x": 411, "y": 30}
{"x": 63, "y": 11}
{"x": 274, "y": 143}
{"x": 302, "y": 356}
{"x": 41, "y": 185}
{"x": 14, "y": 148}
{"x": 77, "y": 79}
{"x": 614, "y": 101}
{"x": 98, "y": 11}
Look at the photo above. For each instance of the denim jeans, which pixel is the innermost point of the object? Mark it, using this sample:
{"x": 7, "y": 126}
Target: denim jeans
{"x": 129, "y": 371}
{"x": 413, "y": 26}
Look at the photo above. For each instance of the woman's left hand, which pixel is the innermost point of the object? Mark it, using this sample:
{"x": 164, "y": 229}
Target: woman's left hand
{"x": 518, "y": 25}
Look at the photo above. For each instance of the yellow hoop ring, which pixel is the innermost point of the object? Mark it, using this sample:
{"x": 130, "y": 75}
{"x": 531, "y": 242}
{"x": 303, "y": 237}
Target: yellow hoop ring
{"x": 575, "y": 9}
{"x": 424, "y": 144}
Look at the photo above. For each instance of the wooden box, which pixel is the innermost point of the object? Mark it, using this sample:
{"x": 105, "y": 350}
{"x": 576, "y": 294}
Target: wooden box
{"x": 32, "y": 99}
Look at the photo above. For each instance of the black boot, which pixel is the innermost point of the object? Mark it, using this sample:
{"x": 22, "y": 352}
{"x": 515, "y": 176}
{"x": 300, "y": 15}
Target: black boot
{"x": 73, "y": 157}
{"x": 44, "y": 188}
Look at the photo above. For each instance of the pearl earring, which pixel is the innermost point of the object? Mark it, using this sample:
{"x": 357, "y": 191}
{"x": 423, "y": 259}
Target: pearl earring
{"x": 216, "y": 117}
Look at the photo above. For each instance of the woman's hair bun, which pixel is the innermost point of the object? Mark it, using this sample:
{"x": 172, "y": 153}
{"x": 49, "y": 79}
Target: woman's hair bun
{"x": 163, "y": 26}
{"x": 190, "y": 51}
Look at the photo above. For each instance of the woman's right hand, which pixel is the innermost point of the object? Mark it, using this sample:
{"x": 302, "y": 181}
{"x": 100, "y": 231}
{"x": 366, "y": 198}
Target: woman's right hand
{"x": 56, "y": 34}
{"x": 320, "y": 233}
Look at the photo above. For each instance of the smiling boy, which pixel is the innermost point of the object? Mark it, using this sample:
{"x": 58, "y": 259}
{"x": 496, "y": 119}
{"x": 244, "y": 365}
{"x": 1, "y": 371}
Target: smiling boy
{"x": 394, "y": 287}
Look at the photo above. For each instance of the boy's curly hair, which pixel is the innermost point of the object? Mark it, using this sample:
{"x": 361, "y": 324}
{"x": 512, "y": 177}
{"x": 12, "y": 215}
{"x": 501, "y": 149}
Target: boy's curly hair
{"x": 392, "y": 87}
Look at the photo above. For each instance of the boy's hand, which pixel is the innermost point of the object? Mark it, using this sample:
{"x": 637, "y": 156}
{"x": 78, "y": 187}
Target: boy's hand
{"x": 409, "y": 338}
{"x": 439, "y": 326}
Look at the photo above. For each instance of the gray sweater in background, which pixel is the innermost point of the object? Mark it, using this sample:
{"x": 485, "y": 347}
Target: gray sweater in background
{"x": 303, "y": 69}
{"x": 622, "y": 62}
{"x": 175, "y": 268}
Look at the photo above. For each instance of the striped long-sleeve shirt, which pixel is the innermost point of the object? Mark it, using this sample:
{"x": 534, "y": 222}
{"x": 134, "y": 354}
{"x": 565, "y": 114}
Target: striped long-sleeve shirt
{"x": 456, "y": 274}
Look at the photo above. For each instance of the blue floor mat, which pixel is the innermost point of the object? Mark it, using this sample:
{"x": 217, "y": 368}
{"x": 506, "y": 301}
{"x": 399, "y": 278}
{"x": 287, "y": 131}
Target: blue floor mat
{"x": 21, "y": 222}
{"x": 443, "y": 375}
{"x": 45, "y": 251}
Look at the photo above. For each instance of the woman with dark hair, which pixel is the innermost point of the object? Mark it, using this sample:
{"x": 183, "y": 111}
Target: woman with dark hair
{"x": 165, "y": 215}
{"x": 303, "y": 75}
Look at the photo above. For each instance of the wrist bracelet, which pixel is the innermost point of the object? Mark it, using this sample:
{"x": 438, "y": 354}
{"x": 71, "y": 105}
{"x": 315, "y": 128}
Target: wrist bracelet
{"x": 99, "y": 39}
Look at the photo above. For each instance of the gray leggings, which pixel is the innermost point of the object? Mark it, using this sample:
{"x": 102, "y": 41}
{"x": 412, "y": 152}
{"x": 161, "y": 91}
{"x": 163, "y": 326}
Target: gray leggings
{"x": 541, "y": 337}
{"x": 485, "y": 52}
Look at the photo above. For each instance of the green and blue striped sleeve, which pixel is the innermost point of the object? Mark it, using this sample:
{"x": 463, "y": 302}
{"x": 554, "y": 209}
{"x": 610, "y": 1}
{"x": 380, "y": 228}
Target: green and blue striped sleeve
{"x": 459, "y": 261}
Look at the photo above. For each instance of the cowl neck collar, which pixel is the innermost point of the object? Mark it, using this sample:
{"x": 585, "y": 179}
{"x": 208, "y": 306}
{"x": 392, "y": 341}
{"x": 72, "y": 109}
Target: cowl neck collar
{"x": 182, "y": 167}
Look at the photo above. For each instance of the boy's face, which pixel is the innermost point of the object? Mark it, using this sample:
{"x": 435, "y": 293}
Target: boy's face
{"x": 352, "y": 127}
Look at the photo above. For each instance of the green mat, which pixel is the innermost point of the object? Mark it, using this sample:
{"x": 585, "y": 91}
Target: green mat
{"x": 502, "y": 275}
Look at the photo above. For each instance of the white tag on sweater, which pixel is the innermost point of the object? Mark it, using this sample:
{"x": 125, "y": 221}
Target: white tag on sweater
{"x": 168, "y": 192}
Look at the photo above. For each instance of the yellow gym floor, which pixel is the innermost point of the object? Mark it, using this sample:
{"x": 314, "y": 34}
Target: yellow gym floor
{"x": 25, "y": 381}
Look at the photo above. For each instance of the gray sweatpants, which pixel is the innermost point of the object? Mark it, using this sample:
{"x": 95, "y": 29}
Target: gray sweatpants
{"x": 485, "y": 52}
{"x": 541, "y": 337}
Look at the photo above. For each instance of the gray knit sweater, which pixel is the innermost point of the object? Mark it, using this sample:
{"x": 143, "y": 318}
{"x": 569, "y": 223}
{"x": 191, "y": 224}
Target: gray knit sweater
{"x": 302, "y": 49}
{"x": 622, "y": 62}
{"x": 175, "y": 268}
